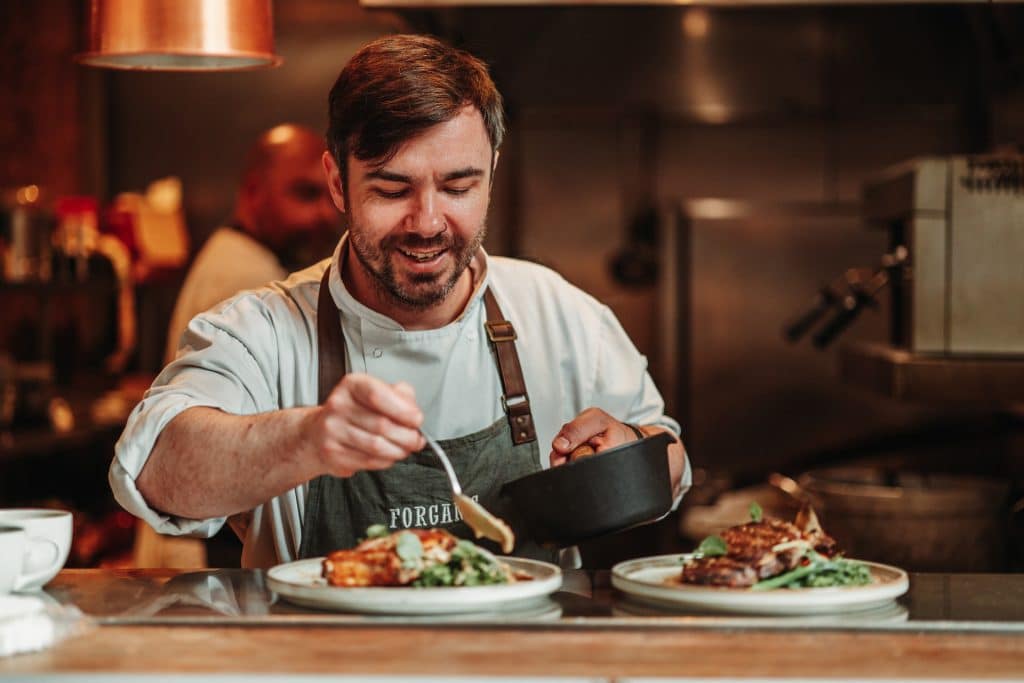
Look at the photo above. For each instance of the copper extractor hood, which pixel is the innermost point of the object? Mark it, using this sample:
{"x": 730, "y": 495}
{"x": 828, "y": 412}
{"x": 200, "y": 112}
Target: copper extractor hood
{"x": 180, "y": 35}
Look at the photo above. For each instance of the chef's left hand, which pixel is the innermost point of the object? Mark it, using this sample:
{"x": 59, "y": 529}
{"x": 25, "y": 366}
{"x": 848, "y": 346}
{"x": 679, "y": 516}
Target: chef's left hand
{"x": 593, "y": 427}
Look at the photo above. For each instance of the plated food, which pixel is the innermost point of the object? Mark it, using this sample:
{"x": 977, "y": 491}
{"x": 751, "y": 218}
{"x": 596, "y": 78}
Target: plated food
{"x": 746, "y": 569}
{"x": 417, "y": 558}
{"x": 417, "y": 572}
{"x": 655, "y": 581}
{"x": 767, "y": 553}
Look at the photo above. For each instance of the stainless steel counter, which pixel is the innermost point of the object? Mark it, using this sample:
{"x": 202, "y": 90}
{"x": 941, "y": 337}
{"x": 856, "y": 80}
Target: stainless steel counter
{"x": 935, "y": 602}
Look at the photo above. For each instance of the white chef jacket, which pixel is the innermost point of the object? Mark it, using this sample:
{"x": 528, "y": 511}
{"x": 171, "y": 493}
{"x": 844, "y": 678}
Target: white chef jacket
{"x": 230, "y": 261}
{"x": 256, "y": 352}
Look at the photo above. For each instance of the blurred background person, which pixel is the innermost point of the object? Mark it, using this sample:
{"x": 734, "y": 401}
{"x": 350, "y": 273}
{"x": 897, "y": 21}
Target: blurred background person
{"x": 283, "y": 220}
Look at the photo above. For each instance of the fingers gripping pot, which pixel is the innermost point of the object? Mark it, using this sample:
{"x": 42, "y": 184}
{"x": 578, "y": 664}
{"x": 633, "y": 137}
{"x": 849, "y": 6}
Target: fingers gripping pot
{"x": 594, "y": 496}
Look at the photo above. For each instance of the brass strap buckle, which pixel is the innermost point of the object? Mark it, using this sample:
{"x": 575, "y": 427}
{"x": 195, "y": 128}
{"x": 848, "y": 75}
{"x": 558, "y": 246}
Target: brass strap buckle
{"x": 515, "y": 404}
{"x": 500, "y": 331}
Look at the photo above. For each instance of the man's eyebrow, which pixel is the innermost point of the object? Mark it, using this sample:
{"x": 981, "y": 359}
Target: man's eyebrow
{"x": 383, "y": 174}
{"x": 468, "y": 172}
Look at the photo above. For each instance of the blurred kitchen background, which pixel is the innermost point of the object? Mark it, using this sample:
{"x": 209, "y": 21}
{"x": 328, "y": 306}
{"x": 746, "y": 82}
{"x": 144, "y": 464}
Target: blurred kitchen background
{"x": 701, "y": 169}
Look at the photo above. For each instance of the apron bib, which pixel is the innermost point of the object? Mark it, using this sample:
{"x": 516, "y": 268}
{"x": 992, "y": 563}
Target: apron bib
{"x": 415, "y": 492}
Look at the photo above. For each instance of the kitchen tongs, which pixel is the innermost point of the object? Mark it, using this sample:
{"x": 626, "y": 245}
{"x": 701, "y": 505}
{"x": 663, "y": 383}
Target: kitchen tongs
{"x": 482, "y": 522}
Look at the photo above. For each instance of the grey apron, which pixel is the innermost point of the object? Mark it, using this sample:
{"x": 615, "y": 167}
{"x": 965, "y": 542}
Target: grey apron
{"x": 415, "y": 492}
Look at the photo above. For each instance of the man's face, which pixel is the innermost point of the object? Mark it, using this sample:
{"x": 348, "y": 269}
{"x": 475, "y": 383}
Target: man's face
{"x": 295, "y": 216}
{"x": 416, "y": 221}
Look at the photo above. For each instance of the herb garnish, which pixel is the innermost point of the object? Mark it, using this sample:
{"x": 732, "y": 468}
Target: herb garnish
{"x": 469, "y": 565}
{"x": 712, "y": 546}
{"x": 756, "y": 514}
{"x": 376, "y": 531}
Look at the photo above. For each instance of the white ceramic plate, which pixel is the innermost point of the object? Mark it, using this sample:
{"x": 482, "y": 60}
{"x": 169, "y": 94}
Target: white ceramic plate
{"x": 889, "y": 613}
{"x": 650, "y": 579}
{"x": 300, "y": 582}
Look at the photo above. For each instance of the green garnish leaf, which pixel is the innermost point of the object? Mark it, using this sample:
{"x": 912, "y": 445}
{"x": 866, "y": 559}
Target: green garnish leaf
{"x": 756, "y": 514}
{"x": 376, "y": 531}
{"x": 713, "y": 546}
{"x": 408, "y": 548}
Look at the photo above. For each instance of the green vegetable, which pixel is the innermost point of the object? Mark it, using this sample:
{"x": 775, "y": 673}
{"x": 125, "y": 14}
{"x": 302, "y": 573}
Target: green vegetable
{"x": 819, "y": 572}
{"x": 435, "y": 575}
{"x": 785, "y": 579}
{"x": 376, "y": 531}
{"x": 756, "y": 515}
{"x": 469, "y": 565}
{"x": 712, "y": 546}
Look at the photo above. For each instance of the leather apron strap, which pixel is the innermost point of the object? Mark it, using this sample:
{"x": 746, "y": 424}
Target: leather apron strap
{"x": 330, "y": 341}
{"x": 331, "y": 354}
{"x": 515, "y": 401}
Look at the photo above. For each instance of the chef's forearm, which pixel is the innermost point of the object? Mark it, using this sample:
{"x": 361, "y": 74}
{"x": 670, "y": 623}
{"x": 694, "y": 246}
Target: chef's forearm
{"x": 207, "y": 463}
{"x": 676, "y": 455}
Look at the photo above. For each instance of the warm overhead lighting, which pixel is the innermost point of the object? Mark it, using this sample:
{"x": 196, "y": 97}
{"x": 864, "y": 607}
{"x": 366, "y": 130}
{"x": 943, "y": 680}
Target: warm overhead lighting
{"x": 696, "y": 22}
{"x": 180, "y": 35}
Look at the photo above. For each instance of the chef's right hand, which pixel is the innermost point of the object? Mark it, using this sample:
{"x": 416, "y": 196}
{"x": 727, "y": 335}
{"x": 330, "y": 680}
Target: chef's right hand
{"x": 366, "y": 424}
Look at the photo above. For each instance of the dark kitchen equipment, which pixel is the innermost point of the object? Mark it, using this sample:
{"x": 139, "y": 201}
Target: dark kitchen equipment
{"x": 25, "y": 229}
{"x": 596, "y": 495}
{"x": 920, "y": 522}
{"x": 953, "y": 226}
{"x": 959, "y": 219}
{"x": 846, "y": 296}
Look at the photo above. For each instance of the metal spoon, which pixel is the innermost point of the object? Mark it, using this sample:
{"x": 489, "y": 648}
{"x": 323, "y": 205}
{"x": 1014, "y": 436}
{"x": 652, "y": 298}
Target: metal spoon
{"x": 482, "y": 522}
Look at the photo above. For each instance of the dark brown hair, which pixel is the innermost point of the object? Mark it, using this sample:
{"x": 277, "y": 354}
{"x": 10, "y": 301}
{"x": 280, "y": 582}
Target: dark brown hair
{"x": 399, "y": 86}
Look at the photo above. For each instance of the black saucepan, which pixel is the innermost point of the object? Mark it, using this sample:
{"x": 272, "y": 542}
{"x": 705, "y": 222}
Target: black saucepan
{"x": 595, "y": 495}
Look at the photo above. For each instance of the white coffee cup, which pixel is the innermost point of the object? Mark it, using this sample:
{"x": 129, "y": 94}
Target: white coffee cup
{"x": 46, "y": 547}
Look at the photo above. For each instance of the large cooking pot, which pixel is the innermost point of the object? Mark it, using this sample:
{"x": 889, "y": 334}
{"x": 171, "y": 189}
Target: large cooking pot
{"x": 921, "y": 522}
{"x": 596, "y": 495}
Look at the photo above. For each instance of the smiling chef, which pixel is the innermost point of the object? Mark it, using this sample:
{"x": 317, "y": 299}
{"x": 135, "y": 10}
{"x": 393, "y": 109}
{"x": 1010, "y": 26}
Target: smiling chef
{"x": 295, "y": 410}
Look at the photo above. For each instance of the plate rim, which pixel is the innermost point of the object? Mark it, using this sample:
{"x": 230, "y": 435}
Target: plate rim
{"x": 396, "y": 599}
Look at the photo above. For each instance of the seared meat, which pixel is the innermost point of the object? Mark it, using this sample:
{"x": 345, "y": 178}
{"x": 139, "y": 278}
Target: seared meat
{"x": 753, "y": 554}
{"x": 752, "y": 544}
{"x": 719, "y": 571}
{"x": 374, "y": 562}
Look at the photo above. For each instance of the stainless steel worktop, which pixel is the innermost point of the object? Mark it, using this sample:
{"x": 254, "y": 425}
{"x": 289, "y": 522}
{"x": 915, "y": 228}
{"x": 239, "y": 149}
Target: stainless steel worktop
{"x": 946, "y": 602}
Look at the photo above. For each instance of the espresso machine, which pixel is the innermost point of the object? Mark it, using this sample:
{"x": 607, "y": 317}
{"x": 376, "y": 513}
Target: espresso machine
{"x": 954, "y": 275}
{"x": 961, "y": 220}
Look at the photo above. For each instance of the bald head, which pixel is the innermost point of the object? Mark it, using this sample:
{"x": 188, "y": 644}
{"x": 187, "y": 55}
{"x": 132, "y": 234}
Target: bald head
{"x": 283, "y": 200}
{"x": 285, "y": 140}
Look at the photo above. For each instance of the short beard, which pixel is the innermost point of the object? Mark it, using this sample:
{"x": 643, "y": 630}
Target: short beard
{"x": 375, "y": 259}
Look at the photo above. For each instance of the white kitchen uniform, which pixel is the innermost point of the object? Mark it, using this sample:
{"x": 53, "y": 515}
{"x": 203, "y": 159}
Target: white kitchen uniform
{"x": 256, "y": 352}
{"x": 230, "y": 261}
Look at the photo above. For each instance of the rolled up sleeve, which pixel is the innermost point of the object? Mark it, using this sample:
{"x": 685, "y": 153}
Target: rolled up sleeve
{"x": 214, "y": 369}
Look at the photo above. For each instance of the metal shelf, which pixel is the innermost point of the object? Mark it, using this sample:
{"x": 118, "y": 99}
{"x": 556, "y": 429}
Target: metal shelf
{"x": 902, "y": 374}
